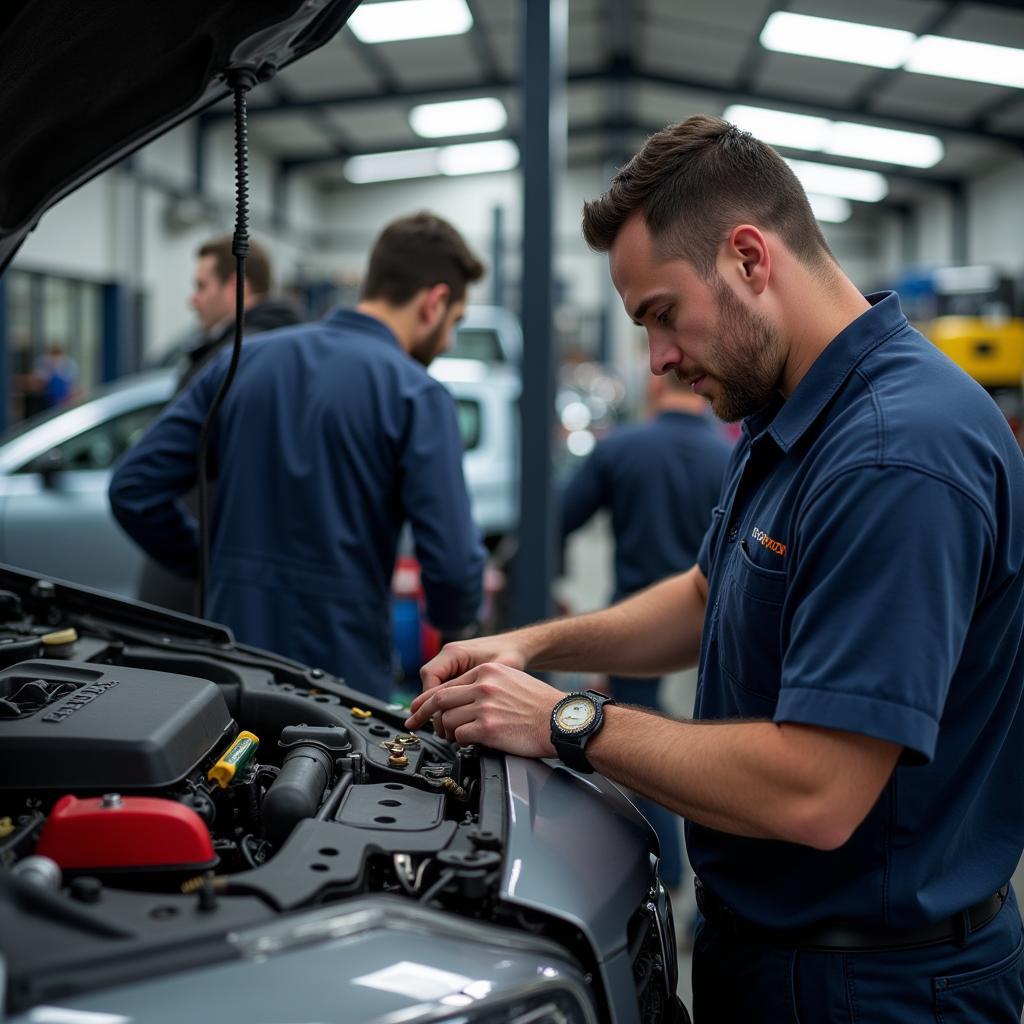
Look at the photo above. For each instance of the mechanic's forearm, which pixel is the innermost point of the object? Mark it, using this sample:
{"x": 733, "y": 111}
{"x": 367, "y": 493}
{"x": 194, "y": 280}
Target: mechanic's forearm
{"x": 753, "y": 778}
{"x": 651, "y": 633}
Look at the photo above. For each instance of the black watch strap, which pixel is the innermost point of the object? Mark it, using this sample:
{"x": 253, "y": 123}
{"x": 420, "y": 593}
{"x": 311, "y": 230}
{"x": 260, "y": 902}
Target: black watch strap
{"x": 571, "y": 747}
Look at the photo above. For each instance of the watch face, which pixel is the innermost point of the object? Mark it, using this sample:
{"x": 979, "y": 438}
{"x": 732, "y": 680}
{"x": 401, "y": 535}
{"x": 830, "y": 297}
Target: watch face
{"x": 575, "y": 715}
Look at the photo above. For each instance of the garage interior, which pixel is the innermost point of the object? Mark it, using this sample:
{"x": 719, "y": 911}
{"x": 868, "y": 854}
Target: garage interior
{"x": 904, "y": 118}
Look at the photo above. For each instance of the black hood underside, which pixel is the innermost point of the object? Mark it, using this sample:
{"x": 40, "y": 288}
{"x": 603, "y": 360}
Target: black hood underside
{"x": 82, "y": 85}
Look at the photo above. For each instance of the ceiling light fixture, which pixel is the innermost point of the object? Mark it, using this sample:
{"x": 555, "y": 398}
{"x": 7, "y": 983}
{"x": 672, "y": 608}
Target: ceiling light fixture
{"x": 886, "y": 145}
{"x": 971, "y": 62}
{"x": 836, "y": 40}
{"x": 396, "y": 20}
{"x": 848, "y": 182}
{"x": 460, "y": 117}
{"x": 833, "y": 209}
{"x": 430, "y": 161}
{"x": 780, "y": 128}
{"x": 879, "y": 47}
{"x": 405, "y": 163}
{"x": 838, "y": 138}
{"x": 478, "y": 157}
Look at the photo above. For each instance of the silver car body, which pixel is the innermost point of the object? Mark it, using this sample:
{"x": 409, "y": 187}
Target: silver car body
{"x": 55, "y": 519}
{"x": 404, "y": 963}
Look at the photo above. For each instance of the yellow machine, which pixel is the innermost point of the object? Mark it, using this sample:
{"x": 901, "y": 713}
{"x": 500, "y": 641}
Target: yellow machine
{"x": 992, "y": 352}
{"x": 973, "y": 315}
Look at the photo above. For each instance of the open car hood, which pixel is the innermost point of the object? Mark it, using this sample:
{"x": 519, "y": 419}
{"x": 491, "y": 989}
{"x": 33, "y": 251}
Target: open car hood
{"x": 82, "y": 85}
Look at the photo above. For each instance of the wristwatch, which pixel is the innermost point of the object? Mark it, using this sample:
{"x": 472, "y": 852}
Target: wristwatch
{"x": 575, "y": 719}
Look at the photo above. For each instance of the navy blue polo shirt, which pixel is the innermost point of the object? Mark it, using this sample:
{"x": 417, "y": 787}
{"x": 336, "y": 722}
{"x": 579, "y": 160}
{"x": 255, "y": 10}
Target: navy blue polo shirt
{"x": 660, "y": 480}
{"x": 866, "y": 573}
{"x": 330, "y": 438}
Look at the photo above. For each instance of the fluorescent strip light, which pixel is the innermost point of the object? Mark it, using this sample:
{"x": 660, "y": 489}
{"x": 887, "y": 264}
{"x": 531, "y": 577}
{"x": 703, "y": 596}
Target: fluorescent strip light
{"x": 879, "y": 47}
{"x": 972, "y": 62}
{"x": 840, "y": 138}
{"x": 868, "y": 142}
{"x": 833, "y": 209}
{"x": 470, "y": 158}
{"x": 836, "y": 40}
{"x": 779, "y": 128}
{"x": 409, "y": 19}
{"x": 407, "y": 163}
{"x": 849, "y": 182}
{"x": 478, "y": 157}
{"x": 461, "y": 117}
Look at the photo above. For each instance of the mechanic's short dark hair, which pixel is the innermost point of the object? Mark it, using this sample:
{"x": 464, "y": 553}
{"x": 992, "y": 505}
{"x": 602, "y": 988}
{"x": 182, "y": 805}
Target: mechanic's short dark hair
{"x": 418, "y": 252}
{"x": 258, "y": 275}
{"x": 696, "y": 180}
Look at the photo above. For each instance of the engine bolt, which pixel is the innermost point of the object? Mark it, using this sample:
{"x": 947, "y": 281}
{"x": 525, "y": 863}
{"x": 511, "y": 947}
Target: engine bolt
{"x": 398, "y": 760}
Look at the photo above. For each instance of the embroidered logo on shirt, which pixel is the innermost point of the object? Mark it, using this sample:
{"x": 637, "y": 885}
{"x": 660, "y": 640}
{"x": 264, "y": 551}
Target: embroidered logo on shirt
{"x": 775, "y": 546}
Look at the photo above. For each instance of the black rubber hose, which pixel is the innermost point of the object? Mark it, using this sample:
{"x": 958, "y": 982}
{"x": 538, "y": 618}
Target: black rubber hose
{"x": 296, "y": 792}
{"x": 242, "y": 80}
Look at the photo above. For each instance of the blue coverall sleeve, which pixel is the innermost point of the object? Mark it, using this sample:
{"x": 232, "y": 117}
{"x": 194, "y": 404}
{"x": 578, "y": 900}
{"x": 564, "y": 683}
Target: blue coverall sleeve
{"x": 149, "y": 480}
{"x": 585, "y": 494}
{"x": 448, "y": 545}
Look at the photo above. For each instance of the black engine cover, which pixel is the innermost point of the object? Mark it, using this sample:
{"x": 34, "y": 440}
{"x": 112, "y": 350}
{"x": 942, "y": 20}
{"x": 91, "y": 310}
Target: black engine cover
{"x": 84, "y": 726}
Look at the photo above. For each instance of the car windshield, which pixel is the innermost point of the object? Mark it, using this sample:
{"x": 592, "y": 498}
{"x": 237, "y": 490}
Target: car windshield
{"x": 24, "y": 426}
{"x": 16, "y": 430}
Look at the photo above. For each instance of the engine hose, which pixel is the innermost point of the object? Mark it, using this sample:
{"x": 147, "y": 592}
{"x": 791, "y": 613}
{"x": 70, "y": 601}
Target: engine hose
{"x": 296, "y": 792}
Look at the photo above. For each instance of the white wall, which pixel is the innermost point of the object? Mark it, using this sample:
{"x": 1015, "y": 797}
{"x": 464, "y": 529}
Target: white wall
{"x": 352, "y": 216}
{"x": 77, "y": 241}
{"x": 117, "y": 227}
{"x": 933, "y": 221}
{"x": 995, "y": 227}
{"x": 862, "y": 247}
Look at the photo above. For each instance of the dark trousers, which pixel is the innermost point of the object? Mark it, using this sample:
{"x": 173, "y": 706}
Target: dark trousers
{"x": 644, "y": 693}
{"x": 742, "y": 982}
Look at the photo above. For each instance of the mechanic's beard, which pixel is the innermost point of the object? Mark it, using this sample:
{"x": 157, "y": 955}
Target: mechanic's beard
{"x": 431, "y": 346}
{"x": 748, "y": 359}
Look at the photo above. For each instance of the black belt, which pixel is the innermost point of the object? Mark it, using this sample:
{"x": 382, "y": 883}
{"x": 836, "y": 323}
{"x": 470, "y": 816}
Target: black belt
{"x": 839, "y": 936}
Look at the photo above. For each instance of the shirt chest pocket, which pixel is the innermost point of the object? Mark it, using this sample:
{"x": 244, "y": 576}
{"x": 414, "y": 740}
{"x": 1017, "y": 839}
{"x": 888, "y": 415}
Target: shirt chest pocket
{"x": 749, "y": 630}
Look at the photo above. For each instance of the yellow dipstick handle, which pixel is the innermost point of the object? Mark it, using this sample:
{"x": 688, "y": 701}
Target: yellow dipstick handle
{"x": 237, "y": 756}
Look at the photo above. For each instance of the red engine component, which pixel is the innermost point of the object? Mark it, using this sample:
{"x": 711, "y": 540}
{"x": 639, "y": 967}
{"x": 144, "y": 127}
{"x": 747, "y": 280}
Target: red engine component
{"x": 114, "y": 832}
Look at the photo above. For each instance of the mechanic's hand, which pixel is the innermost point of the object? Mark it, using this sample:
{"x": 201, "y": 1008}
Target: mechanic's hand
{"x": 498, "y": 706}
{"x": 457, "y": 658}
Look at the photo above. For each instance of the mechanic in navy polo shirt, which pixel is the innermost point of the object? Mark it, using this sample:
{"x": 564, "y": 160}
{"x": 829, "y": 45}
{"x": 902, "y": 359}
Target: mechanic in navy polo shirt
{"x": 331, "y": 437}
{"x": 660, "y": 480}
{"x": 852, "y": 783}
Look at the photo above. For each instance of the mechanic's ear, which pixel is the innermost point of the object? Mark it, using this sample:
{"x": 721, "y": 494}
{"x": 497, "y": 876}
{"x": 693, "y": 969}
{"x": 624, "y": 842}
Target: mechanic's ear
{"x": 748, "y": 256}
{"x": 435, "y": 305}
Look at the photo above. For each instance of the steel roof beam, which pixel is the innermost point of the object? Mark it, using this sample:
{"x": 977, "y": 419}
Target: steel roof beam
{"x": 723, "y": 96}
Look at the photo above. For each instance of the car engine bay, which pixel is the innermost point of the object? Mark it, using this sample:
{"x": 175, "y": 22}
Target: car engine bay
{"x": 164, "y": 790}
{"x": 174, "y": 791}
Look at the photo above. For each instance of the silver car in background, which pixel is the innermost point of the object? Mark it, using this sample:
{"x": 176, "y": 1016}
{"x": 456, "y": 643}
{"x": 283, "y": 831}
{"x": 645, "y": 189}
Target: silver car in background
{"x": 54, "y": 470}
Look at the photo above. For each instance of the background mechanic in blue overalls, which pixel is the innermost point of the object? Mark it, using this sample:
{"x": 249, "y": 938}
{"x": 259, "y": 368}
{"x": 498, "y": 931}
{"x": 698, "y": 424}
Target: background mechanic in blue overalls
{"x": 853, "y": 788}
{"x": 332, "y": 436}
